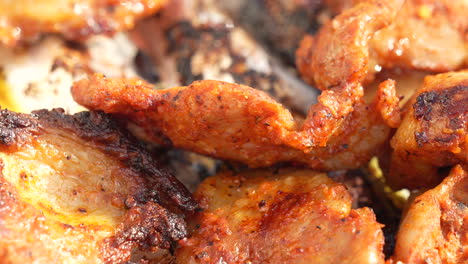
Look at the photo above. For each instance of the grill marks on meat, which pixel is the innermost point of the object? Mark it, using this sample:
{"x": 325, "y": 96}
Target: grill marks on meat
{"x": 84, "y": 190}
{"x": 234, "y": 122}
{"x": 433, "y": 132}
{"x": 25, "y": 20}
{"x": 279, "y": 217}
{"x": 435, "y": 227}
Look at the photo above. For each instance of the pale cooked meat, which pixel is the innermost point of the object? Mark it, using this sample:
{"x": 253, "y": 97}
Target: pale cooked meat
{"x": 287, "y": 216}
{"x": 24, "y": 20}
{"x": 433, "y": 133}
{"x": 435, "y": 227}
{"x": 80, "y": 189}
{"x": 39, "y": 76}
{"x": 236, "y": 122}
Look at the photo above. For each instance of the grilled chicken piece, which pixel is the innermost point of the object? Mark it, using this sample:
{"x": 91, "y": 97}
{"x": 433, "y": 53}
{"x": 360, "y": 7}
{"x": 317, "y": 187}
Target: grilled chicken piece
{"x": 435, "y": 228}
{"x": 433, "y": 133}
{"x": 188, "y": 45}
{"x": 25, "y": 20}
{"x": 336, "y": 61}
{"x": 235, "y": 122}
{"x": 426, "y": 35}
{"x": 287, "y": 216}
{"x": 80, "y": 189}
{"x": 429, "y": 35}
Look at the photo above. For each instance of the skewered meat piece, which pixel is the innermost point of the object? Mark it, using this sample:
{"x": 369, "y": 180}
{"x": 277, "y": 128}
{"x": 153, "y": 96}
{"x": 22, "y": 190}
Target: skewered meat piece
{"x": 81, "y": 189}
{"x": 236, "y": 122}
{"x": 25, "y": 20}
{"x": 433, "y": 133}
{"x": 435, "y": 228}
{"x": 287, "y": 216}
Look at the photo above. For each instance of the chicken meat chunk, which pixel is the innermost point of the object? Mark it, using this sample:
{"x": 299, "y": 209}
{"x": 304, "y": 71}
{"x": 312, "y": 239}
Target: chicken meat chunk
{"x": 25, "y": 20}
{"x": 435, "y": 227}
{"x": 433, "y": 133}
{"x": 287, "y": 216}
{"x": 80, "y": 189}
{"x": 236, "y": 122}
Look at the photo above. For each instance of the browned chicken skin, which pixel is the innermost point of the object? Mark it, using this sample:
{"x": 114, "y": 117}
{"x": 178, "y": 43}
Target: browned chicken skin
{"x": 79, "y": 189}
{"x": 235, "y": 122}
{"x": 336, "y": 61}
{"x": 429, "y": 35}
{"x": 279, "y": 217}
{"x": 425, "y": 35}
{"x": 75, "y": 19}
{"x": 433, "y": 133}
{"x": 435, "y": 228}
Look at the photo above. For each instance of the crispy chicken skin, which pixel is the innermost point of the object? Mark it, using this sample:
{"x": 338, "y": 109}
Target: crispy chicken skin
{"x": 338, "y": 56}
{"x": 336, "y": 61}
{"x": 435, "y": 228}
{"x": 234, "y": 122}
{"x": 75, "y": 19}
{"x": 425, "y": 35}
{"x": 433, "y": 133}
{"x": 80, "y": 189}
{"x": 429, "y": 35}
{"x": 279, "y": 217}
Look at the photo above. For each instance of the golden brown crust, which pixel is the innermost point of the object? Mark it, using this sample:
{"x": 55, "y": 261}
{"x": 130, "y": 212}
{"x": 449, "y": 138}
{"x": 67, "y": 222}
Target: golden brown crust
{"x": 339, "y": 54}
{"x": 424, "y": 35}
{"x": 427, "y": 35}
{"x": 337, "y": 60}
{"x": 435, "y": 228}
{"x": 85, "y": 191}
{"x": 283, "y": 217}
{"x": 433, "y": 132}
{"x": 24, "y": 20}
{"x": 233, "y": 122}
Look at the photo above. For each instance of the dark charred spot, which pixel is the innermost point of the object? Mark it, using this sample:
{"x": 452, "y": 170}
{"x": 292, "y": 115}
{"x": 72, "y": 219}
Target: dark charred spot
{"x": 146, "y": 68}
{"x": 150, "y": 226}
{"x": 262, "y": 203}
{"x": 15, "y": 127}
{"x": 450, "y": 102}
{"x": 113, "y": 139}
{"x": 421, "y": 138}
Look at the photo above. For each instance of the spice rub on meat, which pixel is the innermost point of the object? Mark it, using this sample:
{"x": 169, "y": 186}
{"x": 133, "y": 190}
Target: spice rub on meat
{"x": 80, "y": 189}
{"x": 433, "y": 133}
{"x": 236, "y": 122}
{"x": 336, "y": 61}
{"x": 425, "y": 35}
{"x": 26, "y": 19}
{"x": 287, "y": 216}
{"x": 435, "y": 227}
